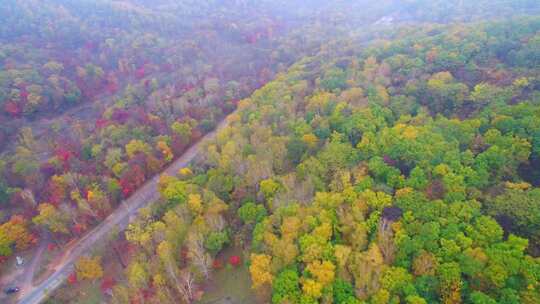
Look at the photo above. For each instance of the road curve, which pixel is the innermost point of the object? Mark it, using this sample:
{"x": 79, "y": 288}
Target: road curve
{"x": 144, "y": 196}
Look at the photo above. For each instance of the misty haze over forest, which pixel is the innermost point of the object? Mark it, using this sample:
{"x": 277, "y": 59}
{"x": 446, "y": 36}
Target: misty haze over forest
{"x": 284, "y": 152}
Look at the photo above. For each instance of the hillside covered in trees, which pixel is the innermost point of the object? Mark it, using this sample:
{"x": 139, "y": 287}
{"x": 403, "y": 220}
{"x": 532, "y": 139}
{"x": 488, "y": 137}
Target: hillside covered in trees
{"x": 377, "y": 153}
{"x": 98, "y": 96}
{"x": 402, "y": 172}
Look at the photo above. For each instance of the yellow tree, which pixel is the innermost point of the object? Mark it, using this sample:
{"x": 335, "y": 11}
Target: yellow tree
{"x": 16, "y": 231}
{"x": 290, "y": 228}
{"x": 342, "y": 254}
{"x": 310, "y": 139}
{"x": 312, "y": 288}
{"x": 135, "y": 146}
{"x": 260, "y": 270}
{"x": 269, "y": 188}
{"x": 195, "y": 203}
{"x": 89, "y": 268}
{"x": 324, "y": 271}
{"x": 50, "y": 217}
{"x": 165, "y": 150}
{"x": 137, "y": 275}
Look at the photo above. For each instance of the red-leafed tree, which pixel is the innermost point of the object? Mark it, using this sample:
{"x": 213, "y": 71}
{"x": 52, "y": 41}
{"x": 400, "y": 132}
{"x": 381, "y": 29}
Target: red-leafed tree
{"x": 51, "y": 247}
{"x": 79, "y": 228}
{"x": 234, "y": 260}
{"x": 24, "y": 96}
{"x": 140, "y": 72}
{"x": 217, "y": 264}
{"x": 56, "y": 190}
{"x": 12, "y": 108}
{"x": 107, "y": 284}
{"x": 64, "y": 155}
{"x": 101, "y": 123}
{"x": 132, "y": 179}
{"x": 72, "y": 278}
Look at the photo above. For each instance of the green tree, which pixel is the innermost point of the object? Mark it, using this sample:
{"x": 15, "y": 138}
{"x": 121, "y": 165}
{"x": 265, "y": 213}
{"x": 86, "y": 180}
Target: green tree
{"x": 216, "y": 240}
{"x": 522, "y": 207}
{"x": 343, "y": 292}
{"x": 251, "y": 213}
{"x": 334, "y": 79}
{"x": 286, "y": 287}
{"x": 447, "y": 93}
{"x": 174, "y": 191}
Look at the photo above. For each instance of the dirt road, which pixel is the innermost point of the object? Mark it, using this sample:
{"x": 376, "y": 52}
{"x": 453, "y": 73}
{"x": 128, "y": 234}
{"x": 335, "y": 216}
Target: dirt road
{"x": 144, "y": 196}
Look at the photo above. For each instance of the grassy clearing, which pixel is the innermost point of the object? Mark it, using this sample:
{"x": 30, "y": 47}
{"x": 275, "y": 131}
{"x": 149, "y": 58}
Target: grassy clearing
{"x": 230, "y": 284}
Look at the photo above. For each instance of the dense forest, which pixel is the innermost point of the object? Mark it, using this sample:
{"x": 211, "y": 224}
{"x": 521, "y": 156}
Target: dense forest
{"x": 374, "y": 152}
{"x": 95, "y": 104}
{"x": 404, "y": 172}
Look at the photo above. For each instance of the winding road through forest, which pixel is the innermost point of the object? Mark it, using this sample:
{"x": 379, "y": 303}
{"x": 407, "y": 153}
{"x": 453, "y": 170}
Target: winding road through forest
{"x": 120, "y": 218}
